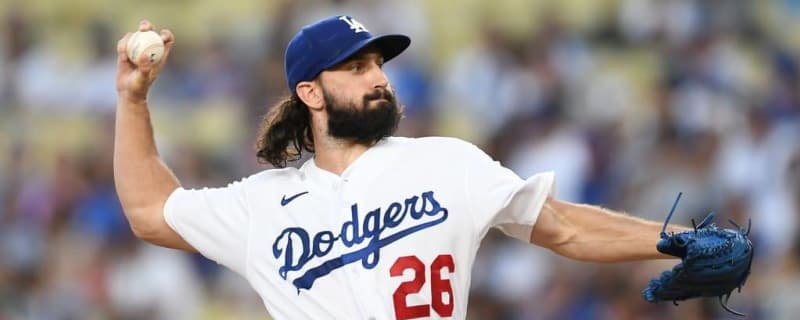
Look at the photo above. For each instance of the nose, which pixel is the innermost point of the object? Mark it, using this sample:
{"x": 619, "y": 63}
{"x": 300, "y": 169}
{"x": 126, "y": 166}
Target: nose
{"x": 379, "y": 78}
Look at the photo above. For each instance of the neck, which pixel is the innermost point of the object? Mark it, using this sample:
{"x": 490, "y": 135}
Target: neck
{"x": 335, "y": 155}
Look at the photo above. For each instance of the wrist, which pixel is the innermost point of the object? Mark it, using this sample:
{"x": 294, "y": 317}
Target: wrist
{"x": 131, "y": 98}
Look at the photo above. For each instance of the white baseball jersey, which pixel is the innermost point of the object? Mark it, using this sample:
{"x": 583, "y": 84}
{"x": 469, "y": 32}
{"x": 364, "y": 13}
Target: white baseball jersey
{"x": 393, "y": 237}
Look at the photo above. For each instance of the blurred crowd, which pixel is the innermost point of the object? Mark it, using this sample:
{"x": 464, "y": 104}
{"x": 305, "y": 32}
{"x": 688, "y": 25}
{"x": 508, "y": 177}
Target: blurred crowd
{"x": 628, "y": 101}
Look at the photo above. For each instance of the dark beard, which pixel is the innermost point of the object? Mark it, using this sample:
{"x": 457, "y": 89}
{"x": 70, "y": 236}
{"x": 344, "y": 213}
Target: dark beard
{"x": 367, "y": 125}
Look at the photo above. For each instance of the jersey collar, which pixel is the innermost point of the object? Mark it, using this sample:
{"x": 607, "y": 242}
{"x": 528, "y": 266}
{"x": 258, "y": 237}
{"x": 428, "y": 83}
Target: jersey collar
{"x": 310, "y": 168}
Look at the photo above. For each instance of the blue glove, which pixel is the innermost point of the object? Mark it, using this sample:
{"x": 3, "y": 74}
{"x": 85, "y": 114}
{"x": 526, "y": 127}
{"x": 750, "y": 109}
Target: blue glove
{"x": 714, "y": 262}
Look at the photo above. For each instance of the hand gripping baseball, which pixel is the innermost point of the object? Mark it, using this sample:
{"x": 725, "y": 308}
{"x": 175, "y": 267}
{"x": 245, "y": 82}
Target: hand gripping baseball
{"x": 134, "y": 79}
{"x": 714, "y": 262}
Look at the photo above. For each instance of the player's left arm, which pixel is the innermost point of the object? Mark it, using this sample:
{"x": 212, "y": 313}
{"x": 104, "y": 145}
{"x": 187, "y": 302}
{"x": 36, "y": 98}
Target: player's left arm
{"x": 591, "y": 233}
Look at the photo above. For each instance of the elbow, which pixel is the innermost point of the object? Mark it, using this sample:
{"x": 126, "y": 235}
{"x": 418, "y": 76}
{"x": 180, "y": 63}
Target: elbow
{"x": 566, "y": 245}
{"x": 560, "y": 230}
{"x": 563, "y": 240}
{"x": 583, "y": 250}
{"x": 554, "y": 230}
{"x": 142, "y": 233}
{"x": 143, "y": 224}
{"x": 571, "y": 251}
{"x": 568, "y": 230}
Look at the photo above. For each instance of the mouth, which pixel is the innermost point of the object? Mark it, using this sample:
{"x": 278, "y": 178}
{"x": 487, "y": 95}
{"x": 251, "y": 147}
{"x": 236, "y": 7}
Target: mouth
{"x": 380, "y": 96}
{"x": 379, "y": 100}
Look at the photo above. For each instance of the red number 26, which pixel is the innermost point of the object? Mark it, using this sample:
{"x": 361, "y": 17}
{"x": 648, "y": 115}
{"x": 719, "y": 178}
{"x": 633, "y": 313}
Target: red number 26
{"x": 441, "y": 290}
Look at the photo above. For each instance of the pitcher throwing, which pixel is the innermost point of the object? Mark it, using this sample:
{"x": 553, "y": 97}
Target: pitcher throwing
{"x": 372, "y": 226}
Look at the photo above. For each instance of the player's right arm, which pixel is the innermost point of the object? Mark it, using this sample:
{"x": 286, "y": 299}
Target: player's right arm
{"x": 142, "y": 179}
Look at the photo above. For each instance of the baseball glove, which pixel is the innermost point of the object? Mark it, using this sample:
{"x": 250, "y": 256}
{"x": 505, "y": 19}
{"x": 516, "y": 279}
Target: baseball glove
{"x": 714, "y": 262}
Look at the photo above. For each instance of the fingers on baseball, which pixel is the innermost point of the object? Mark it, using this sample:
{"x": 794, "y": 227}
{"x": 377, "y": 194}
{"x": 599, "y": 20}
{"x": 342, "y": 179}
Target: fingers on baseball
{"x": 153, "y": 69}
{"x": 145, "y": 25}
{"x": 169, "y": 40}
{"x": 122, "y": 49}
{"x": 145, "y": 66}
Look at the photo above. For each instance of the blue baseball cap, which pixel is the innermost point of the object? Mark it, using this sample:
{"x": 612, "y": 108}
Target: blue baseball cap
{"x": 328, "y": 42}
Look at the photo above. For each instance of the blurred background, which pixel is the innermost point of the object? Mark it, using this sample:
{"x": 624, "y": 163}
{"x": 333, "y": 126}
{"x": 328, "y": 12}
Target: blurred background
{"x": 628, "y": 101}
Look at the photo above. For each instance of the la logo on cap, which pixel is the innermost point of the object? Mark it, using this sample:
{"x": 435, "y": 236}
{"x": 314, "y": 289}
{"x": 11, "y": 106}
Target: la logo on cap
{"x": 354, "y": 25}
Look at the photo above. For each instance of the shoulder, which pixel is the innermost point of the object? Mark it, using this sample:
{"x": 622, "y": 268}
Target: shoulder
{"x": 434, "y": 144}
{"x": 269, "y": 177}
{"x": 276, "y": 173}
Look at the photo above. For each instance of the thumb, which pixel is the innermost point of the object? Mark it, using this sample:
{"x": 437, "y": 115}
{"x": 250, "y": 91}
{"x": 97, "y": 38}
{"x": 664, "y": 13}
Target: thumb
{"x": 123, "y": 63}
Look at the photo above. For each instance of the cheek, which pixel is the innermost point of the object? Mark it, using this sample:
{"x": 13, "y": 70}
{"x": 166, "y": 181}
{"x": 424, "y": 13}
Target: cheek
{"x": 348, "y": 90}
{"x": 343, "y": 98}
{"x": 342, "y": 90}
{"x": 353, "y": 98}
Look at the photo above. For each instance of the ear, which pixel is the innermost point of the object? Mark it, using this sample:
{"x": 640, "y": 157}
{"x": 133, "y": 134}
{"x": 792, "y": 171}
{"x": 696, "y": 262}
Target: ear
{"x": 311, "y": 94}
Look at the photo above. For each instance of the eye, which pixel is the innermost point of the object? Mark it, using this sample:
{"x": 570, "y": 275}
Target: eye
{"x": 356, "y": 66}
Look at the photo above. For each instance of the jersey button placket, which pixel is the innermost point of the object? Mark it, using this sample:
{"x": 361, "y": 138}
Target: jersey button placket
{"x": 333, "y": 220}
{"x": 357, "y": 272}
{"x": 352, "y": 276}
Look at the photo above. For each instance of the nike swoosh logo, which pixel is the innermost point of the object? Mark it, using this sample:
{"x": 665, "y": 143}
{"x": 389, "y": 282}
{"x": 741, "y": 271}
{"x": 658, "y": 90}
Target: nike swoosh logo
{"x": 285, "y": 200}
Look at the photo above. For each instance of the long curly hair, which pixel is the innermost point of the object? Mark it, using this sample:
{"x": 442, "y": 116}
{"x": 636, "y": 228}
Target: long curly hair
{"x": 285, "y": 133}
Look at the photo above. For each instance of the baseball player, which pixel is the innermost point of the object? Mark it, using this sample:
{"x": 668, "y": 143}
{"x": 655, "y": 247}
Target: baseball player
{"x": 372, "y": 226}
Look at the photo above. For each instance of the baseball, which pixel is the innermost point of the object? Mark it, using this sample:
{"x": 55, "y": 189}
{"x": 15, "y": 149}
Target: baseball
{"x": 145, "y": 43}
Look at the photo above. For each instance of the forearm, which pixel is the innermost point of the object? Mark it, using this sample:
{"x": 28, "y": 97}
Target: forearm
{"x": 601, "y": 235}
{"x": 142, "y": 179}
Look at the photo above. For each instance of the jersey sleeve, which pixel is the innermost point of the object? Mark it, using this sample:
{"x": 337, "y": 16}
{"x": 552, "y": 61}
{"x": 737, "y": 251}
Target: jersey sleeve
{"x": 500, "y": 198}
{"x": 214, "y": 221}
